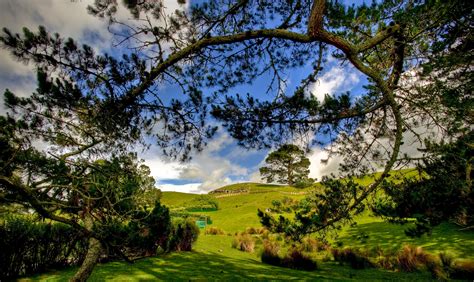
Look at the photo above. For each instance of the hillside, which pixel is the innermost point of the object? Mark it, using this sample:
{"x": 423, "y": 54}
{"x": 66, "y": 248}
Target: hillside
{"x": 213, "y": 258}
{"x": 238, "y": 211}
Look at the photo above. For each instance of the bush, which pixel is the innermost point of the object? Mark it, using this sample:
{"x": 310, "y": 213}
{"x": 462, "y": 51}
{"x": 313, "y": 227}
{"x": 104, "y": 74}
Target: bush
{"x": 309, "y": 244}
{"x": 355, "y": 258}
{"x": 29, "y": 247}
{"x": 251, "y": 230}
{"x": 214, "y": 231}
{"x": 149, "y": 232}
{"x": 386, "y": 262}
{"x": 462, "y": 270}
{"x": 411, "y": 258}
{"x": 298, "y": 260}
{"x": 183, "y": 235}
{"x": 270, "y": 253}
{"x": 446, "y": 260}
{"x": 294, "y": 258}
{"x": 244, "y": 242}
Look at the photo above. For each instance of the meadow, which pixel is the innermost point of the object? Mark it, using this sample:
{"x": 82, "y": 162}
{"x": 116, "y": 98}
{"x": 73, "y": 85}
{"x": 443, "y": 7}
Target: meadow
{"x": 213, "y": 258}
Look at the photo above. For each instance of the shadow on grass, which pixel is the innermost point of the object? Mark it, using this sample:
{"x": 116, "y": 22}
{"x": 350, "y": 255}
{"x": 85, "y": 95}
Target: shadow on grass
{"x": 195, "y": 266}
{"x": 444, "y": 238}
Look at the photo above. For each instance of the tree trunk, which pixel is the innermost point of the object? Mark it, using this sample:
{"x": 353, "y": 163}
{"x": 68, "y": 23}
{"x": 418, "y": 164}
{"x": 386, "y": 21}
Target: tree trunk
{"x": 92, "y": 256}
{"x": 90, "y": 261}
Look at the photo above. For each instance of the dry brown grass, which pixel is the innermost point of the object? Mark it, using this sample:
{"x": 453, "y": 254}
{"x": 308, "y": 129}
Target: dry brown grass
{"x": 214, "y": 231}
{"x": 244, "y": 242}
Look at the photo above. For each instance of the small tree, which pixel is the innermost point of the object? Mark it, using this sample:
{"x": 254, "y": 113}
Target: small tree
{"x": 288, "y": 165}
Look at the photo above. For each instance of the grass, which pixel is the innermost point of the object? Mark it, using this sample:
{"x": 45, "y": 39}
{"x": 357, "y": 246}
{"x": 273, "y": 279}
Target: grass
{"x": 214, "y": 259}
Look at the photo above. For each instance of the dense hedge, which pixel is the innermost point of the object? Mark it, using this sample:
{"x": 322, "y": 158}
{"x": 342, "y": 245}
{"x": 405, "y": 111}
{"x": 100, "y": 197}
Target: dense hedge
{"x": 30, "y": 247}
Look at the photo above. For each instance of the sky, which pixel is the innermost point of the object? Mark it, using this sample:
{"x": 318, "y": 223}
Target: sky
{"x": 222, "y": 162}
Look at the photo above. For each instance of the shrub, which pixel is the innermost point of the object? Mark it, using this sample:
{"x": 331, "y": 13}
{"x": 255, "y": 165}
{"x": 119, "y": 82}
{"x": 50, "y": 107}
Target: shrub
{"x": 214, "y": 231}
{"x": 146, "y": 234}
{"x": 446, "y": 260}
{"x": 29, "y": 247}
{"x": 386, "y": 262}
{"x": 298, "y": 260}
{"x": 264, "y": 233}
{"x": 312, "y": 245}
{"x": 355, "y": 258}
{"x": 270, "y": 253}
{"x": 411, "y": 258}
{"x": 184, "y": 234}
{"x": 462, "y": 270}
{"x": 251, "y": 230}
{"x": 294, "y": 258}
{"x": 244, "y": 242}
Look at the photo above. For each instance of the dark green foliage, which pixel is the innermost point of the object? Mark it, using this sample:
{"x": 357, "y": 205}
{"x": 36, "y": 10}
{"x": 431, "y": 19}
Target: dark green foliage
{"x": 183, "y": 235}
{"x": 442, "y": 192}
{"x": 288, "y": 165}
{"x": 143, "y": 234}
{"x": 28, "y": 246}
{"x": 320, "y": 211}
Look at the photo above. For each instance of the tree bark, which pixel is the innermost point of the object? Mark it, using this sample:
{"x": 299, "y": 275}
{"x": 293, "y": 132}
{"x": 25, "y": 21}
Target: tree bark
{"x": 315, "y": 23}
{"x": 92, "y": 256}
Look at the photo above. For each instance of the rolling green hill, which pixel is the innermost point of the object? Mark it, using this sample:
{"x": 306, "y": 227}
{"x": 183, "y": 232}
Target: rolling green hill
{"x": 213, "y": 259}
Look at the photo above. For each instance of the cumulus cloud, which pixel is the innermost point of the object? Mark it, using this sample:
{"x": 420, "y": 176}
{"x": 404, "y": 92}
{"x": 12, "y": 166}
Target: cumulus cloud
{"x": 337, "y": 79}
{"x": 212, "y": 167}
{"x": 217, "y": 165}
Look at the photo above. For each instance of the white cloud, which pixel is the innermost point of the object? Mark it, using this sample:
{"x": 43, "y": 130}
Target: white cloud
{"x": 207, "y": 170}
{"x": 183, "y": 188}
{"x": 322, "y": 164}
{"x": 161, "y": 169}
{"x": 337, "y": 79}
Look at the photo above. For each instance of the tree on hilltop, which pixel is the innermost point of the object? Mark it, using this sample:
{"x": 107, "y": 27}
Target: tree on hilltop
{"x": 287, "y": 165}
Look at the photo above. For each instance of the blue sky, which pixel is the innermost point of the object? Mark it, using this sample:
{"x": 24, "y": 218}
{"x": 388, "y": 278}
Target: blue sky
{"x": 222, "y": 161}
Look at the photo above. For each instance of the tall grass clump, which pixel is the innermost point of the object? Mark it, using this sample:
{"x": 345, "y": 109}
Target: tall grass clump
{"x": 412, "y": 258}
{"x": 295, "y": 258}
{"x": 309, "y": 244}
{"x": 354, "y": 258}
{"x": 298, "y": 260}
{"x": 214, "y": 231}
{"x": 244, "y": 242}
{"x": 270, "y": 253}
{"x": 462, "y": 270}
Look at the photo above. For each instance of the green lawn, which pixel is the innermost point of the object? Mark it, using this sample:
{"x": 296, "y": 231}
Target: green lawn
{"x": 214, "y": 259}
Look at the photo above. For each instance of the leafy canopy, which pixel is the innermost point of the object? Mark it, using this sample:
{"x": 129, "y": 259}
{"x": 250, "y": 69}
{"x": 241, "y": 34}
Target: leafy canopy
{"x": 288, "y": 164}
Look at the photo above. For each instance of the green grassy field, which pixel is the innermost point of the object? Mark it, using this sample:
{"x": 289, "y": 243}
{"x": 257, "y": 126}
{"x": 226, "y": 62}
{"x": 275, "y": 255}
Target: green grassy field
{"x": 213, "y": 259}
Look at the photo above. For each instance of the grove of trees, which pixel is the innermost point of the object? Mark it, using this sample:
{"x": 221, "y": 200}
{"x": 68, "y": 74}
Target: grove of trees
{"x": 90, "y": 109}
